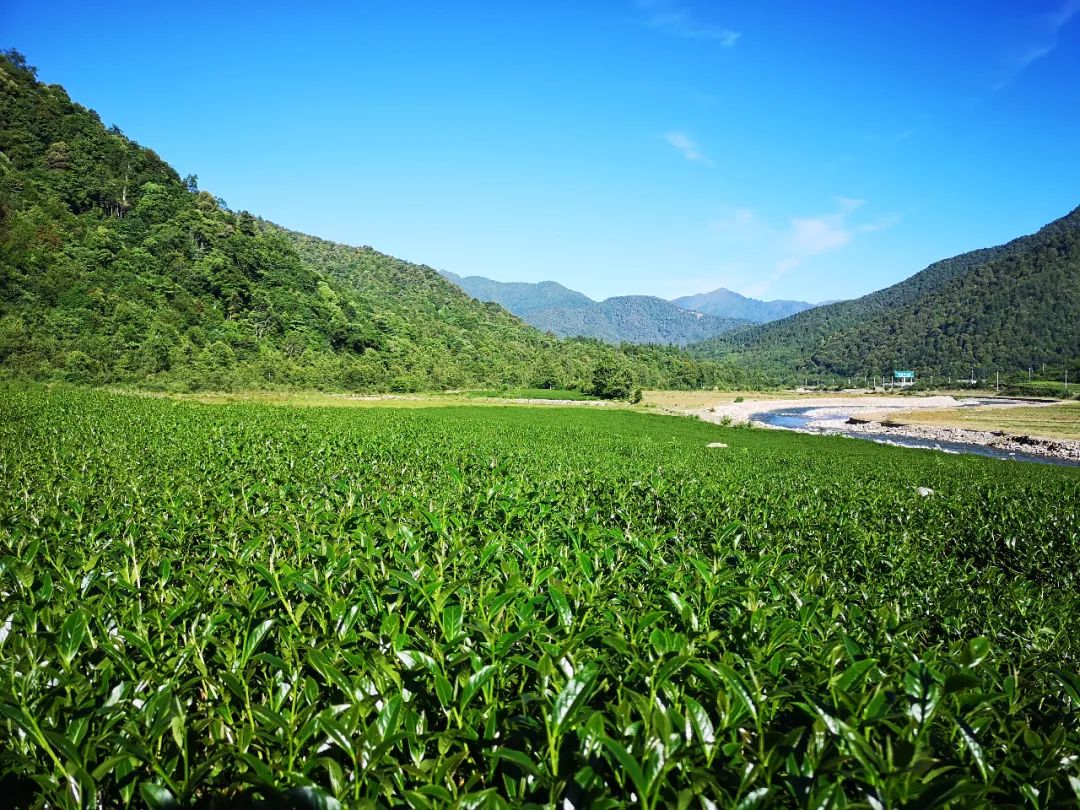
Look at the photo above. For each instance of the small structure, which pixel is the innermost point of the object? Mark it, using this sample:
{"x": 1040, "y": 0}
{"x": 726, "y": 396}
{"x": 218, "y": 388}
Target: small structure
{"x": 903, "y": 378}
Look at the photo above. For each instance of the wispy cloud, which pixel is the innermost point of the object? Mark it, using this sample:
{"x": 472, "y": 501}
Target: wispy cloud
{"x": 687, "y": 147}
{"x": 1041, "y": 42}
{"x": 811, "y": 236}
{"x": 759, "y": 252}
{"x": 739, "y": 219}
{"x": 677, "y": 20}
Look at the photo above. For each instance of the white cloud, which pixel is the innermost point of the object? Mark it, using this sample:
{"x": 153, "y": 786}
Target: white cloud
{"x": 786, "y": 247}
{"x": 749, "y": 252}
{"x": 1041, "y": 42}
{"x": 812, "y": 236}
{"x": 675, "y": 19}
{"x": 1065, "y": 12}
{"x": 687, "y": 147}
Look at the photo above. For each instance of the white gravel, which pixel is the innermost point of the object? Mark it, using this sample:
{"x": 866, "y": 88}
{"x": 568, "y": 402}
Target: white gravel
{"x": 839, "y": 408}
{"x": 831, "y": 414}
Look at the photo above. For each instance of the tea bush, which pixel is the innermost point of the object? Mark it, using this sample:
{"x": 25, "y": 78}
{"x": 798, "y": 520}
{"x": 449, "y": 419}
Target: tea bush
{"x": 490, "y": 606}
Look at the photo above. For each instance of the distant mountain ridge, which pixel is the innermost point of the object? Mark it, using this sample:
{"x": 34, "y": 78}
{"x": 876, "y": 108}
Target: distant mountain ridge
{"x": 521, "y": 298}
{"x": 1004, "y": 308}
{"x": 729, "y": 304}
{"x": 554, "y": 308}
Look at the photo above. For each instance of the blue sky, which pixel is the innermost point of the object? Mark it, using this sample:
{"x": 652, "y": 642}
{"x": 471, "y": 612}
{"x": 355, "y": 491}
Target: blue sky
{"x": 783, "y": 150}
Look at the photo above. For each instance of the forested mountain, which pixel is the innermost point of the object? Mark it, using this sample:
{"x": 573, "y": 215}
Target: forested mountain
{"x": 625, "y": 318}
{"x": 727, "y": 304}
{"x": 1004, "y": 308}
{"x": 522, "y": 298}
{"x": 114, "y": 270}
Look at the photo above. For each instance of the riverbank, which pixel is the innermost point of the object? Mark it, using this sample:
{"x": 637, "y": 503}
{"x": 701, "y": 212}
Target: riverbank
{"x": 876, "y": 418}
{"x": 1064, "y": 449}
{"x": 740, "y": 411}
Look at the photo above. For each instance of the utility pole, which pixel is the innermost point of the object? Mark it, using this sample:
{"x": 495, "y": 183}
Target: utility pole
{"x": 997, "y": 383}
{"x": 1029, "y": 373}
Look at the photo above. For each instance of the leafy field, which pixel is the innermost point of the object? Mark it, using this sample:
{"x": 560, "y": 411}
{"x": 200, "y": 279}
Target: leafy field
{"x": 228, "y": 604}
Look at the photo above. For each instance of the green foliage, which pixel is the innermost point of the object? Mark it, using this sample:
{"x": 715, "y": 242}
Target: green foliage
{"x": 1004, "y": 308}
{"x": 612, "y": 380}
{"x": 532, "y": 393}
{"x": 217, "y": 605}
{"x": 114, "y": 270}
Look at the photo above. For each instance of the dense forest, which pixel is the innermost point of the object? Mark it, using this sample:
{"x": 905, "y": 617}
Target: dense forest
{"x": 115, "y": 270}
{"x": 1007, "y": 308}
{"x": 551, "y": 307}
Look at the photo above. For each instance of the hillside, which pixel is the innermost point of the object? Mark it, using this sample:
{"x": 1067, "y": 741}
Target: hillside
{"x": 633, "y": 319}
{"x": 521, "y": 298}
{"x": 553, "y": 308}
{"x": 727, "y": 304}
{"x": 114, "y": 270}
{"x": 1005, "y": 308}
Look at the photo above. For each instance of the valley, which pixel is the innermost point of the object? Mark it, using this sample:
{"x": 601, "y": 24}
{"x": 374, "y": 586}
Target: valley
{"x": 287, "y": 522}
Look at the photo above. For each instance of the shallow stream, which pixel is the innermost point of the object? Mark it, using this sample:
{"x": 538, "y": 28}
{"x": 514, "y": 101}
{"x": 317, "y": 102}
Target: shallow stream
{"x": 800, "y": 419}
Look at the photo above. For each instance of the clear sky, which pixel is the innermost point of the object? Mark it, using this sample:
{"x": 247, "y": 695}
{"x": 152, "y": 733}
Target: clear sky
{"x": 781, "y": 149}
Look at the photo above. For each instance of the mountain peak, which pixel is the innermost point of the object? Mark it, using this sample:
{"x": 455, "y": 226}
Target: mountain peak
{"x": 552, "y": 307}
{"x": 726, "y": 303}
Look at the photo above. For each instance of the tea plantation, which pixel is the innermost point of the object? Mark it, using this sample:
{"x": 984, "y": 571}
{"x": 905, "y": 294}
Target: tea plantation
{"x": 267, "y": 606}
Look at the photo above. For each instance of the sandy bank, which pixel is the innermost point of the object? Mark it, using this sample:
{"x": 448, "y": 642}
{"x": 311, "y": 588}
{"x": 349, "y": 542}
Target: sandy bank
{"x": 739, "y": 413}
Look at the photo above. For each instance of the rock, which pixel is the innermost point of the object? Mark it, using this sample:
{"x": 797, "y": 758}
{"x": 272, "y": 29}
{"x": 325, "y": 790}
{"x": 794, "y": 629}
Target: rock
{"x": 716, "y": 444}
{"x": 925, "y": 491}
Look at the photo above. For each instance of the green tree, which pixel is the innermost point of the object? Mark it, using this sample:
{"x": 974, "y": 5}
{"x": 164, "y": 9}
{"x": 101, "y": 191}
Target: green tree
{"x": 612, "y": 380}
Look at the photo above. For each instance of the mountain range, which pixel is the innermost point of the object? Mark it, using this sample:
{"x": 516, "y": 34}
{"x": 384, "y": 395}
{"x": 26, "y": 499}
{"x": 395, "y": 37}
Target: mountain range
{"x": 1007, "y": 308}
{"x": 114, "y": 270}
{"x": 551, "y": 307}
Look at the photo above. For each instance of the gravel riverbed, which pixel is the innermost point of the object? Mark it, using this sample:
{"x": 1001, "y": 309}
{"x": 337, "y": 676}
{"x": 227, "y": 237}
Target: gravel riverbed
{"x": 869, "y": 417}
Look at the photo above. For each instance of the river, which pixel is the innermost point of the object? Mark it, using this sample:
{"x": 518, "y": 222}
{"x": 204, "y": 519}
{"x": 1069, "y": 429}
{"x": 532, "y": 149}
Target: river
{"x": 803, "y": 419}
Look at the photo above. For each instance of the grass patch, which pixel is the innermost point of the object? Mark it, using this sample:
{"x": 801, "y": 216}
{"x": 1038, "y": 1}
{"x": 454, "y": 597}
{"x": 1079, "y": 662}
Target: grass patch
{"x": 532, "y": 393}
{"x": 1059, "y": 421}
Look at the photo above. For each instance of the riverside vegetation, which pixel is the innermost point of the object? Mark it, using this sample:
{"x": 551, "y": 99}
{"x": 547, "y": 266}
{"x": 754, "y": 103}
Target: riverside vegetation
{"x": 244, "y": 604}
